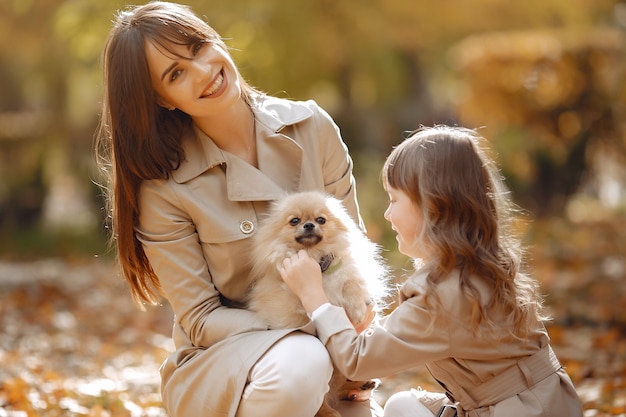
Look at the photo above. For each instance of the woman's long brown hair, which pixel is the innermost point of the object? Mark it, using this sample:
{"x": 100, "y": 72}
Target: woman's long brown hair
{"x": 467, "y": 218}
{"x": 137, "y": 139}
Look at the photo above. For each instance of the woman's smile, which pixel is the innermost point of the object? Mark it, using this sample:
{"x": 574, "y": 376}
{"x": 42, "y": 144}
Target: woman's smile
{"x": 217, "y": 85}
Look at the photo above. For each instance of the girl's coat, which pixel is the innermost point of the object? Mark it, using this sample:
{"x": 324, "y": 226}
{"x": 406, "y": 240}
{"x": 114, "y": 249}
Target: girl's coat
{"x": 458, "y": 359}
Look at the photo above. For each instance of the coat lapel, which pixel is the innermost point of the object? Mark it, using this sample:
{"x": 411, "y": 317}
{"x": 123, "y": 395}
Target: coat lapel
{"x": 279, "y": 156}
{"x": 246, "y": 183}
{"x": 280, "y": 166}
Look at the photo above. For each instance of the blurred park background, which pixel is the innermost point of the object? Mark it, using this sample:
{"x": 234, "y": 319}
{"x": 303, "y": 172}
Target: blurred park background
{"x": 544, "y": 80}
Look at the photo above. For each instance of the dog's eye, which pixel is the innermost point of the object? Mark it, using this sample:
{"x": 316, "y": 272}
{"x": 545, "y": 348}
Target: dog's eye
{"x": 295, "y": 221}
{"x": 320, "y": 220}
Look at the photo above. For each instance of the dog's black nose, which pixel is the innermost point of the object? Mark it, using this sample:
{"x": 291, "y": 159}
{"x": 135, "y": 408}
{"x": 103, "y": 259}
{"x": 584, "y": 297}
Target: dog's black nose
{"x": 309, "y": 226}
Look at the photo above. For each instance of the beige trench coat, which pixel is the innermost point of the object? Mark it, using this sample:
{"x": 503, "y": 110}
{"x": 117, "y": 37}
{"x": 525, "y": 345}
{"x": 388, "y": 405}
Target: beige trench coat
{"x": 195, "y": 229}
{"x": 452, "y": 354}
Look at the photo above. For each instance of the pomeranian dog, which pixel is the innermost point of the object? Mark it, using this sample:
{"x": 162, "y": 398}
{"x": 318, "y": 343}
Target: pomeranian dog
{"x": 354, "y": 274}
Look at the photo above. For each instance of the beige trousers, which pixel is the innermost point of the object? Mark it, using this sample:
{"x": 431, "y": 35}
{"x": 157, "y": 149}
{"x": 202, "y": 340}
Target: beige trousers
{"x": 291, "y": 379}
{"x": 414, "y": 403}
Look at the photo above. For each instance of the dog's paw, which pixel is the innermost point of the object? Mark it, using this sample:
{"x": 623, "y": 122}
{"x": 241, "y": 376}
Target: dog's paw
{"x": 347, "y": 388}
{"x": 371, "y": 384}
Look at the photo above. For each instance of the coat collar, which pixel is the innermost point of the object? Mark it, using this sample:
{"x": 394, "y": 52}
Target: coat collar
{"x": 280, "y": 157}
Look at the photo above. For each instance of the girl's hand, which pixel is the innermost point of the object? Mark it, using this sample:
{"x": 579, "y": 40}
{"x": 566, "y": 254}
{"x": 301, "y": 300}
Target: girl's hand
{"x": 361, "y": 327}
{"x": 303, "y": 276}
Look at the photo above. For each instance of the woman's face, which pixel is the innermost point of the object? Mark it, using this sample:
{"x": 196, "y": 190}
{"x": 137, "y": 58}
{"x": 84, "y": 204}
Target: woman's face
{"x": 407, "y": 221}
{"x": 201, "y": 85}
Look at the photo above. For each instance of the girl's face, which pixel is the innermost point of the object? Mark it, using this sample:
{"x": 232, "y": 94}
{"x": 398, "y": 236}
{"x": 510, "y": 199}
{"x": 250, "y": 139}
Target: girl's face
{"x": 200, "y": 86}
{"x": 407, "y": 221}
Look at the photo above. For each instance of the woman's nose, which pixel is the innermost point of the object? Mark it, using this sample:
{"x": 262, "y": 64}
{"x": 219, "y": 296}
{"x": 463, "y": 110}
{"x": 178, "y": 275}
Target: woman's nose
{"x": 201, "y": 66}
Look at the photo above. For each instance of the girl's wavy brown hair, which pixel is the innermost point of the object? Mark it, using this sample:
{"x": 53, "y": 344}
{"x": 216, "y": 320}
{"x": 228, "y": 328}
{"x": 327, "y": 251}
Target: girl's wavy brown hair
{"x": 137, "y": 139}
{"x": 467, "y": 218}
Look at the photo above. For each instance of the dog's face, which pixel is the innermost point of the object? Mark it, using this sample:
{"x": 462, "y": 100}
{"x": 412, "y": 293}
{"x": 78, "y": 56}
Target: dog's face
{"x": 308, "y": 231}
{"x": 308, "y": 220}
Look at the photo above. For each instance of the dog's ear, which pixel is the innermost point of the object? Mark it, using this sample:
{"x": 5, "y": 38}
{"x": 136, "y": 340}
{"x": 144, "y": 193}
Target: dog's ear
{"x": 337, "y": 209}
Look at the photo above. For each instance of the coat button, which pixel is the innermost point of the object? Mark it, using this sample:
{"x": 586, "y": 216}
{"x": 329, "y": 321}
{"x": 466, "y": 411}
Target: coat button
{"x": 246, "y": 227}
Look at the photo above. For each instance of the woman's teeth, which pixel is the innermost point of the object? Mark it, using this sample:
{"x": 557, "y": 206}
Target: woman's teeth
{"x": 216, "y": 85}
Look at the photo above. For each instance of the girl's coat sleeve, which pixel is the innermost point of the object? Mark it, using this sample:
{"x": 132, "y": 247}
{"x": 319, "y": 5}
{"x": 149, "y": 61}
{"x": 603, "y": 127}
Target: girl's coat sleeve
{"x": 398, "y": 342}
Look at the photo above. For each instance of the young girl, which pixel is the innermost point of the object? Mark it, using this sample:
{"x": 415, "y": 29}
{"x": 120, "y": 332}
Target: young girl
{"x": 468, "y": 312}
{"x": 195, "y": 156}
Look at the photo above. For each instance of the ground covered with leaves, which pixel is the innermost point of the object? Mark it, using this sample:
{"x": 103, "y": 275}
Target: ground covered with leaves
{"x": 73, "y": 344}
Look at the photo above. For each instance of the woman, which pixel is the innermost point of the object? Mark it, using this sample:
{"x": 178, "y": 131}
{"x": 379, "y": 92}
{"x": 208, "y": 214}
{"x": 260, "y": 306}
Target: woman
{"x": 195, "y": 155}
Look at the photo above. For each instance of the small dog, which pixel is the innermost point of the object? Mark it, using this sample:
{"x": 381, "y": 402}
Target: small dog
{"x": 354, "y": 274}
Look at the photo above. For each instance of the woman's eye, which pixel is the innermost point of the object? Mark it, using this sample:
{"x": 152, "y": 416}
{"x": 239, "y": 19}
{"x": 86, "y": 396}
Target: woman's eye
{"x": 196, "y": 48}
{"x": 175, "y": 74}
{"x": 295, "y": 221}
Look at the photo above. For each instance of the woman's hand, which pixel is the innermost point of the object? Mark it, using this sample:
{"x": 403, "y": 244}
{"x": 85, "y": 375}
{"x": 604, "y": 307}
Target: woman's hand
{"x": 303, "y": 276}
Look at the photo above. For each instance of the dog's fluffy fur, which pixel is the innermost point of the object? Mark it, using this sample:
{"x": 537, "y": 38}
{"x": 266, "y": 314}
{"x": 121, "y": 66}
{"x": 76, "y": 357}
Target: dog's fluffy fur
{"x": 354, "y": 276}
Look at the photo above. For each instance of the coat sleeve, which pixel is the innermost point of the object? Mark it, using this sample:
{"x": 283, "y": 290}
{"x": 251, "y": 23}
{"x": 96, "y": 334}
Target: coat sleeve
{"x": 336, "y": 163}
{"x": 398, "y": 342}
{"x": 172, "y": 246}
